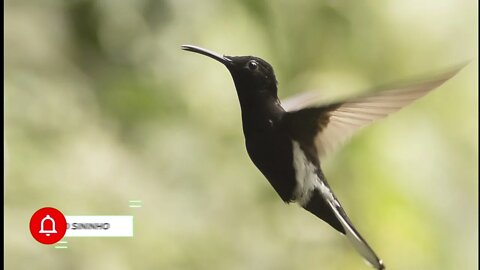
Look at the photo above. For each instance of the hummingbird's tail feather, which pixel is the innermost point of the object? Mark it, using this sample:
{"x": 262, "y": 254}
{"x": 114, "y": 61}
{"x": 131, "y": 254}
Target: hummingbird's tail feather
{"x": 356, "y": 239}
{"x": 324, "y": 198}
{"x": 320, "y": 208}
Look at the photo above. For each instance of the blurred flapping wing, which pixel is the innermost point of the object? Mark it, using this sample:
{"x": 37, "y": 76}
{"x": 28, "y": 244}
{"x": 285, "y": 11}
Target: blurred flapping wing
{"x": 339, "y": 121}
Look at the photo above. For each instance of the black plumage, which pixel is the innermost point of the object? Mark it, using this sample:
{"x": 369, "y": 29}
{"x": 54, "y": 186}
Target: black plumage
{"x": 286, "y": 144}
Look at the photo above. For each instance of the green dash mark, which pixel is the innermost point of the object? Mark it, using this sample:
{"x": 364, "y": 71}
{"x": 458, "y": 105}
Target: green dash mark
{"x": 135, "y": 203}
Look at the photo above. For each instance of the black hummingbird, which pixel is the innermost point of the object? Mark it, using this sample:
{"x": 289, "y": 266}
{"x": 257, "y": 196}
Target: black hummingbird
{"x": 286, "y": 145}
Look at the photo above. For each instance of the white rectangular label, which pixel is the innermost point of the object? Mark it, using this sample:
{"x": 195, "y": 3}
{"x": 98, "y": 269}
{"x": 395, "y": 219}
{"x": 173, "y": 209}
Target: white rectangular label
{"x": 99, "y": 226}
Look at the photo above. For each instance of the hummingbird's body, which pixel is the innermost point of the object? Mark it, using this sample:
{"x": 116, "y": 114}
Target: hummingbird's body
{"x": 286, "y": 145}
{"x": 285, "y": 156}
{"x": 269, "y": 147}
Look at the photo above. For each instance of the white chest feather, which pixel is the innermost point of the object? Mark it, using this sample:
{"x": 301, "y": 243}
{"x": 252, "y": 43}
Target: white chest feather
{"x": 307, "y": 178}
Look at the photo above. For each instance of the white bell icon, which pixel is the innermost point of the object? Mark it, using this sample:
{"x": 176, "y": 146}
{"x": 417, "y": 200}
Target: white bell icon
{"x": 42, "y": 226}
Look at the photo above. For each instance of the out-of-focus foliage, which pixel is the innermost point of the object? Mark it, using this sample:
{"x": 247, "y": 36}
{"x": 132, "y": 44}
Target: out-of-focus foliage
{"x": 102, "y": 106}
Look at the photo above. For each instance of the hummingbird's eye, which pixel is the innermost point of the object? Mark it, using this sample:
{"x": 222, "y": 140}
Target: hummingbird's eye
{"x": 252, "y": 65}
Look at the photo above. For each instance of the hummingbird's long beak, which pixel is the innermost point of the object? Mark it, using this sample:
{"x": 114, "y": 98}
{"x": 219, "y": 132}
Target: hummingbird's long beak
{"x": 221, "y": 58}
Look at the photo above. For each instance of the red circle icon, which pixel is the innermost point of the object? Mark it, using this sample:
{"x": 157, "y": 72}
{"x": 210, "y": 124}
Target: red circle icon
{"x": 48, "y": 225}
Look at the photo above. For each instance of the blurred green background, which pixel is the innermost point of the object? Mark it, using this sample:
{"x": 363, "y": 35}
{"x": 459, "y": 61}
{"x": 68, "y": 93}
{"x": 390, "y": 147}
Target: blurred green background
{"x": 102, "y": 107}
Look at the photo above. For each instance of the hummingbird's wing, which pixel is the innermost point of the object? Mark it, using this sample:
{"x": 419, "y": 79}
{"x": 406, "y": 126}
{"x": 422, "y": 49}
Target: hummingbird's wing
{"x": 337, "y": 122}
{"x": 300, "y": 101}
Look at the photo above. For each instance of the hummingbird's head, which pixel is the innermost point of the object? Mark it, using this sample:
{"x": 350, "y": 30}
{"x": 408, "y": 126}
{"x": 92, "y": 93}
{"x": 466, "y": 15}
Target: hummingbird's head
{"x": 253, "y": 76}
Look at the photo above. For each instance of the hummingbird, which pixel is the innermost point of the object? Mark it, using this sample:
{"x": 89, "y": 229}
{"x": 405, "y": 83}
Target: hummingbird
{"x": 287, "y": 143}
